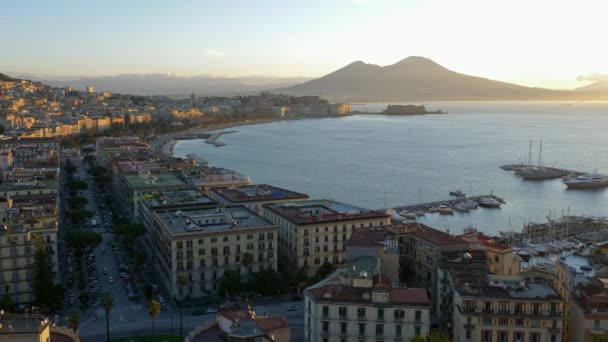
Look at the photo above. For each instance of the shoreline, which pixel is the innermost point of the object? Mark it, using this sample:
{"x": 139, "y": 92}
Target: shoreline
{"x": 167, "y": 143}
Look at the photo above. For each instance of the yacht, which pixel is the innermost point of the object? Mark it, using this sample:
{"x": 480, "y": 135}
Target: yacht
{"x": 593, "y": 180}
{"x": 461, "y": 207}
{"x": 489, "y": 202}
{"x": 446, "y": 210}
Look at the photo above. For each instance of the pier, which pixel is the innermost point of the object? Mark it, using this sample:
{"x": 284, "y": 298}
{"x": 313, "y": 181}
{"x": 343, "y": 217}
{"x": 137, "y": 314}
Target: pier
{"x": 448, "y": 203}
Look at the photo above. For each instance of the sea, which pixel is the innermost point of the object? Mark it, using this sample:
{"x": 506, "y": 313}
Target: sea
{"x": 377, "y": 161}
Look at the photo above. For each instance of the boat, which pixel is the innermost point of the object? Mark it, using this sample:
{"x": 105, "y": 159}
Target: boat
{"x": 592, "y": 180}
{"x": 489, "y": 202}
{"x": 420, "y": 213}
{"x": 461, "y": 207}
{"x": 586, "y": 268}
{"x": 407, "y": 214}
{"x": 445, "y": 210}
{"x": 457, "y": 193}
{"x": 470, "y": 204}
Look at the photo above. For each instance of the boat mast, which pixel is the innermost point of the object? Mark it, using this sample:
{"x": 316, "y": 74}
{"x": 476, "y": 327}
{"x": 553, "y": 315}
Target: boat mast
{"x": 530, "y": 154}
{"x": 540, "y": 152}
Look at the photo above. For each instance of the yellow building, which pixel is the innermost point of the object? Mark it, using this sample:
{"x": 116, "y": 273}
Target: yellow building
{"x": 315, "y": 232}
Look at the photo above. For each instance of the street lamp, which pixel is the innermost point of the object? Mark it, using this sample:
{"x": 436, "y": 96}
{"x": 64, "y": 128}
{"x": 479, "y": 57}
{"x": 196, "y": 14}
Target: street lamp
{"x": 1, "y": 314}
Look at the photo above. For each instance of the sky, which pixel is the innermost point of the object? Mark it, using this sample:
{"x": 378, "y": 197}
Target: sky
{"x": 547, "y": 43}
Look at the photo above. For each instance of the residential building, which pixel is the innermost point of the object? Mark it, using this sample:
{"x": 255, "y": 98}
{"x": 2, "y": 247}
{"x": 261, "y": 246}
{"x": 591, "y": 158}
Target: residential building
{"x": 315, "y": 232}
{"x": 377, "y": 242}
{"x": 358, "y": 304}
{"x": 205, "y": 177}
{"x": 201, "y": 243}
{"x": 427, "y": 246}
{"x": 254, "y": 196}
{"x": 501, "y": 259}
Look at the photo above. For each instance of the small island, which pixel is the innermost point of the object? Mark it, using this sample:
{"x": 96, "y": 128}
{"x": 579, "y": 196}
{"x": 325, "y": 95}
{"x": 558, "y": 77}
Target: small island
{"x": 408, "y": 110}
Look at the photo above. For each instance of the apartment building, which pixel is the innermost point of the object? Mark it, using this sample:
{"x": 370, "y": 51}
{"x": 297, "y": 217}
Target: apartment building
{"x": 501, "y": 259}
{"x": 202, "y": 243}
{"x": 314, "y": 232}
{"x": 108, "y": 149}
{"x": 377, "y": 242}
{"x": 255, "y": 196}
{"x": 358, "y": 304}
{"x": 426, "y": 247}
{"x": 205, "y": 177}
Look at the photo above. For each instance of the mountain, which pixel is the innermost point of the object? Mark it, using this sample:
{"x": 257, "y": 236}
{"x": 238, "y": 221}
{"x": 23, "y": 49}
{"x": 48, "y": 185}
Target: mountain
{"x": 596, "y": 87}
{"x": 5, "y": 78}
{"x": 166, "y": 84}
{"x": 415, "y": 79}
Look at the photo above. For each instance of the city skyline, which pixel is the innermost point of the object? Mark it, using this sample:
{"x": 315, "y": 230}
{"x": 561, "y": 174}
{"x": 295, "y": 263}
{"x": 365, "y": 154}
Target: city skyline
{"x": 501, "y": 41}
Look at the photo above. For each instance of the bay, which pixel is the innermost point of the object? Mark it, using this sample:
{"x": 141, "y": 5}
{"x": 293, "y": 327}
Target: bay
{"x": 377, "y": 161}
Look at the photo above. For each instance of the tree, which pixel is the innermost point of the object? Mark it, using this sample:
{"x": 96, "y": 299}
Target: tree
{"x": 88, "y": 159}
{"x": 46, "y": 293}
{"x": 148, "y": 291}
{"x": 130, "y": 232}
{"x": 181, "y": 282}
{"x": 73, "y": 317}
{"x": 7, "y": 300}
{"x": 247, "y": 260}
{"x": 80, "y": 240}
{"x": 268, "y": 282}
{"x": 323, "y": 271}
{"x": 87, "y": 150}
{"x": 79, "y": 215}
{"x": 153, "y": 310}
{"x": 107, "y": 300}
{"x": 230, "y": 284}
{"x": 77, "y": 202}
{"x": 77, "y": 185}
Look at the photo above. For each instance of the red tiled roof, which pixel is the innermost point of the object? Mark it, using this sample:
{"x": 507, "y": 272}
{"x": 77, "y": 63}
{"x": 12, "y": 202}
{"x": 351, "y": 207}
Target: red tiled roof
{"x": 382, "y": 281}
{"x": 438, "y": 237}
{"x": 271, "y": 323}
{"x": 241, "y": 315}
{"x": 409, "y": 296}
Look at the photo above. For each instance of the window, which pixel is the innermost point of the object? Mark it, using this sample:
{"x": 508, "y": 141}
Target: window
{"x": 553, "y": 338}
{"x": 534, "y": 337}
{"x": 325, "y": 311}
{"x": 503, "y": 321}
{"x": 519, "y": 322}
{"x": 343, "y": 327}
{"x": 468, "y": 334}
{"x": 596, "y": 324}
{"x": 486, "y": 336}
{"x": 361, "y": 312}
{"x": 225, "y": 239}
{"x": 519, "y": 308}
{"x": 398, "y": 330}
{"x": 418, "y": 316}
{"x": 326, "y": 327}
{"x": 417, "y": 330}
{"x": 361, "y": 329}
{"x": 379, "y": 330}
{"x": 399, "y": 315}
{"x": 487, "y": 306}
{"x": 502, "y": 336}
{"x": 536, "y": 309}
{"x": 518, "y": 336}
{"x": 487, "y": 321}
{"x": 201, "y": 251}
{"x": 342, "y": 311}
{"x": 380, "y": 314}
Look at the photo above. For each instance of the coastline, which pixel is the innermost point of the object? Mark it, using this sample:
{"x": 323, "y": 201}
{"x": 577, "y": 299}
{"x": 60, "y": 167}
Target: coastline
{"x": 165, "y": 144}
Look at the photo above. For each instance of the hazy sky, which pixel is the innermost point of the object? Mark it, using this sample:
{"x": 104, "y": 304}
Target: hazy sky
{"x": 531, "y": 42}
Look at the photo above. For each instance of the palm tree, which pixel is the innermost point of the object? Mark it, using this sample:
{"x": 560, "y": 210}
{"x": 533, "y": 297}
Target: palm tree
{"x": 73, "y": 318}
{"x": 153, "y": 310}
{"x": 181, "y": 282}
{"x": 107, "y": 300}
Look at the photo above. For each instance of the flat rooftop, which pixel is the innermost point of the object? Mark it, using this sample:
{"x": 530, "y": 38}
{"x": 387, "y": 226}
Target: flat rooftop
{"x": 154, "y": 180}
{"x": 369, "y": 237}
{"x": 175, "y": 197}
{"x": 258, "y": 193}
{"x": 438, "y": 237}
{"x": 321, "y": 211}
{"x": 197, "y": 221}
{"x": 28, "y": 184}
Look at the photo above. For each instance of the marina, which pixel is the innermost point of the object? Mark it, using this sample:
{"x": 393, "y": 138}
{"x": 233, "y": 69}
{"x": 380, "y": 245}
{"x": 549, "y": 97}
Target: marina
{"x": 448, "y": 207}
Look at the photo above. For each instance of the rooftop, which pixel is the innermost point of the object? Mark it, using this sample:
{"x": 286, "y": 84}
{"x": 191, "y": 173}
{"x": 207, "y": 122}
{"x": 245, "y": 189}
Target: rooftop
{"x": 320, "y": 211}
{"x": 369, "y": 237}
{"x": 363, "y": 295}
{"x": 144, "y": 180}
{"x": 211, "y": 220}
{"x": 258, "y": 193}
{"x": 438, "y": 237}
{"x": 188, "y": 196}
{"x": 17, "y": 323}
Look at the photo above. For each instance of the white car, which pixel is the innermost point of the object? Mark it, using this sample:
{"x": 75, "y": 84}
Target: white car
{"x": 110, "y": 279}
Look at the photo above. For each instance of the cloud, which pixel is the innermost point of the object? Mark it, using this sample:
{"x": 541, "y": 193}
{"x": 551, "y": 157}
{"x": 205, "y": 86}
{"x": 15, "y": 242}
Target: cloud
{"x": 215, "y": 53}
{"x": 593, "y": 77}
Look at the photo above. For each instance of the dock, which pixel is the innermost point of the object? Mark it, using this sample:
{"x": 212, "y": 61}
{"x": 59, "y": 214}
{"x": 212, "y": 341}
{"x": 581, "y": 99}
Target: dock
{"x": 448, "y": 203}
{"x": 531, "y": 172}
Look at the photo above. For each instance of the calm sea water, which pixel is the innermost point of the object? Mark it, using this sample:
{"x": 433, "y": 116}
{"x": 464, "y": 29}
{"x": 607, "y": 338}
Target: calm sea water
{"x": 378, "y": 161}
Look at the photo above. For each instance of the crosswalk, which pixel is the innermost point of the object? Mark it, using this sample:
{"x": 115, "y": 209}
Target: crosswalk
{"x": 121, "y": 309}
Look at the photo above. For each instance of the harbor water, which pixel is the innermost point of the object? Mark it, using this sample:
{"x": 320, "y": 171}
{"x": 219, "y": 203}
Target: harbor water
{"x": 389, "y": 161}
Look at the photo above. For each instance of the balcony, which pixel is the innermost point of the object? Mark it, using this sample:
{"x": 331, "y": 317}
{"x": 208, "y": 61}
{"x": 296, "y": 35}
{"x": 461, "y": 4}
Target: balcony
{"x": 598, "y": 331}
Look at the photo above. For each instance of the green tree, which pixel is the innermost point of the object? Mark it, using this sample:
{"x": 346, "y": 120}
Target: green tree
{"x": 87, "y": 150}
{"x": 73, "y": 318}
{"x": 129, "y": 232}
{"x": 88, "y": 159}
{"x": 148, "y": 291}
{"x": 323, "y": 271}
{"x": 80, "y": 240}
{"x": 7, "y": 300}
{"x": 181, "y": 282}
{"x": 77, "y": 202}
{"x": 230, "y": 284}
{"x": 247, "y": 261}
{"x": 269, "y": 282}
{"x": 153, "y": 310}
{"x": 79, "y": 215}
{"x": 107, "y": 301}
{"x": 77, "y": 185}
{"x": 46, "y": 293}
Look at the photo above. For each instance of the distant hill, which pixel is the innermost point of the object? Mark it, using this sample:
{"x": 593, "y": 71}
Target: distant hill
{"x": 165, "y": 84}
{"x": 416, "y": 79}
{"x": 6, "y": 78}
{"x": 597, "y": 87}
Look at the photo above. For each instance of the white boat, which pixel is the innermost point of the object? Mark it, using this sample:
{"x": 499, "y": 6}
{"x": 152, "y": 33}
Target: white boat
{"x": 489, "y": 202}
{"x": 592, "y": 180}
{"x": 470, "y": 204}
{"x": 407, "y": 214}
{"x": 445, "y": 210}
{"x": 461, "y": 207}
